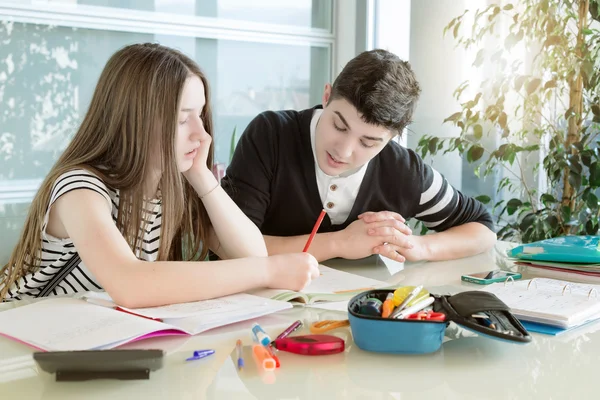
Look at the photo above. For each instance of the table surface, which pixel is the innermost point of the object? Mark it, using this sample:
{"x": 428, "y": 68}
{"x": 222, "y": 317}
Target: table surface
{"x": 466, "y": 367}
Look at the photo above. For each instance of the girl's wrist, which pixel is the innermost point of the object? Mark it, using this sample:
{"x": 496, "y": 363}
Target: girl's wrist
{"x": 203, "y": 183}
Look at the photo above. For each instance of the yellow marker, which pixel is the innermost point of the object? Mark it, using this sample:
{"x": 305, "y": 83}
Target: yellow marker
{"x": 402, "y": 293}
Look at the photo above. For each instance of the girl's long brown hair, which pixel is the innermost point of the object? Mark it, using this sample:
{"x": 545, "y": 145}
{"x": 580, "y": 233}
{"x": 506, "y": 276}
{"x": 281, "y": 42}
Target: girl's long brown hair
{"x": 134, "y": 108}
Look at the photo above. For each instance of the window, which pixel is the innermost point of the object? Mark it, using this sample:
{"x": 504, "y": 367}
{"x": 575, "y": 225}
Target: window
{"x": 258, "y": 55}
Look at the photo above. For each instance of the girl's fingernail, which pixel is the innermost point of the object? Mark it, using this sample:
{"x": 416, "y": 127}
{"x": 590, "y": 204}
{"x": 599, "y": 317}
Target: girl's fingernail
{"x": 371, "y": 230}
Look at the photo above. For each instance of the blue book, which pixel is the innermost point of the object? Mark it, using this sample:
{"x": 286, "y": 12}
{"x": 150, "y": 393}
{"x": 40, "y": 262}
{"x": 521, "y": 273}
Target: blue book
{"x": 542, "y": 328}
{"x": 567, "y": 249}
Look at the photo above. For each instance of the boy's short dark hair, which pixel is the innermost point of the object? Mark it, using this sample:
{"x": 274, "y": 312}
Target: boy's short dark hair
{"x": 381, "y": 86}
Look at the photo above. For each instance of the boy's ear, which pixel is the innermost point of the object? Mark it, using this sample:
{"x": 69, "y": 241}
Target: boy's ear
{"x": 326, "y": 94}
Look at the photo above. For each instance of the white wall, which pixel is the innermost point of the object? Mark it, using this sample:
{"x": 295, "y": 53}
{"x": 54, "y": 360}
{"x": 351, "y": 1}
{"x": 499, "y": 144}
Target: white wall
{"x": 439, "y": 67}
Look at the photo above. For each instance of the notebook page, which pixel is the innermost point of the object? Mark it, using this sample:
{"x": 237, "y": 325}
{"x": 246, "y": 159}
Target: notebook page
{"x": 201, "y": 323}
{"x": 333, "y": 281}
{"x": 72, "y": 324}
{"x": 207, "y": 309}
{"x": 545, "y": 302}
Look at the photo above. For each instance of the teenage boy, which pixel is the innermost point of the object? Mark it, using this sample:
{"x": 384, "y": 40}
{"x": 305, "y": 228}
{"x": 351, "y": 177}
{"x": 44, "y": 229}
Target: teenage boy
{"x": 289, "y": 165}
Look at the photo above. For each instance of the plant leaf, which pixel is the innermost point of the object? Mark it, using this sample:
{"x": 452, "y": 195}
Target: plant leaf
{"x": 483, "y": 199}
{"x": 454, "y": 117}
{"x": 477, "y": 131}
{"x": 474, "y": 153}
{"x": 479, "y": 58}
{"x": 533, "y": 85}
{"x": 519, "y": 81}
{"x": 512, "y": 206}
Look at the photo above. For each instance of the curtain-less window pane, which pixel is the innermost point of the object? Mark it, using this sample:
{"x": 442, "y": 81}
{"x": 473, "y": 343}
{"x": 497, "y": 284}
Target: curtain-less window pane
{"x": 248, "y": 78}
{"x": 303, "y": 13}
{"x": 48, "y": 74}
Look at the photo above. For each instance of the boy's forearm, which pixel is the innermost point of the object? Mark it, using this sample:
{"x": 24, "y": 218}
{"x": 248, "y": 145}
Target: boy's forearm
{"x": 460, "y": 241}
{"x": 323, "y": 246}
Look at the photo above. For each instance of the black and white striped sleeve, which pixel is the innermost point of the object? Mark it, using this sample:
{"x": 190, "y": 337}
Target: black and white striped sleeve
{"x": 441, "y": 206}
{"x": 79, "y": 179}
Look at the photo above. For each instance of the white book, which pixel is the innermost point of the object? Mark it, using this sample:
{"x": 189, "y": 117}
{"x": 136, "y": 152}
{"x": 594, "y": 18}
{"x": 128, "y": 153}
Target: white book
{"x": 549, "y": 301}
{"x": 63, "y": 324}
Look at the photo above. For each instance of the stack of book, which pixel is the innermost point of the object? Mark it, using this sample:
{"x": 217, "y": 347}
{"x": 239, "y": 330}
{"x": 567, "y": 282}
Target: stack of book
{"x": 572, "y": 258}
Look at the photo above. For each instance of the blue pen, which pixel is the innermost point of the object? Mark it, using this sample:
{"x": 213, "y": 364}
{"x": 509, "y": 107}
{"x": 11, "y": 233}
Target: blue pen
{"x": 240, "y": 361}
{"x": 260, "y": 335}
{"x": 200, "y": 354}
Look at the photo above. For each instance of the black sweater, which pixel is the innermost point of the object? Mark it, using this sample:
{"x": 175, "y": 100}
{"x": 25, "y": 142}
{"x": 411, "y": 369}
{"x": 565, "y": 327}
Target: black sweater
{"x": 272, "y": 179}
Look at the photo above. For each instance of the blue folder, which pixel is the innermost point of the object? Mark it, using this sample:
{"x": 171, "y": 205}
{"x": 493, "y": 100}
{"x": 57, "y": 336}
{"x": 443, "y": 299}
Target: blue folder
{"x": 567, "y": 249}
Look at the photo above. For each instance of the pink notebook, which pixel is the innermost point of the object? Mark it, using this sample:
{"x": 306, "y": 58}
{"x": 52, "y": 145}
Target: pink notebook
{"x": 63, "y": 324}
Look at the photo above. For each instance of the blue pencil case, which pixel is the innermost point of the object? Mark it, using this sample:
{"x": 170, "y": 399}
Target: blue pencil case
{"x": 409, "y": 336}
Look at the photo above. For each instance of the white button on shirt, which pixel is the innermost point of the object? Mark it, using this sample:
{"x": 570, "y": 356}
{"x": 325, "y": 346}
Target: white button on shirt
{"x": 338, "y": 193}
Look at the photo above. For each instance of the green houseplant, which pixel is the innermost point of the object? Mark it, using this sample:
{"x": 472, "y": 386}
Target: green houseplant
{"x": 537, "y": 120}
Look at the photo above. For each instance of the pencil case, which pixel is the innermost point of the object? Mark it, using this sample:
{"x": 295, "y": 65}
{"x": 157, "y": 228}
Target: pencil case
{"x": 408, "y": 336}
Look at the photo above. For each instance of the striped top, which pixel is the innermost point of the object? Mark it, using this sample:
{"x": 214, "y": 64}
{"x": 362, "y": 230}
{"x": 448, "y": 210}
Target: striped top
{"x": 58, "y": 254}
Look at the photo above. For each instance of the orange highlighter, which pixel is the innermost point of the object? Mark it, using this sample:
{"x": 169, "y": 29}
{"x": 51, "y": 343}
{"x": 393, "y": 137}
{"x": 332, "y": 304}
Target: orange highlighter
{"x": 388, "y": 306}
{"x": 263, "y": 358}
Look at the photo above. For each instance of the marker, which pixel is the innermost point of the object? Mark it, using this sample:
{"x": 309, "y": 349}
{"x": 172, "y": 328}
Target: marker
{"x": 388, "y": 306}
{"x": 240, "y": 359}
{"x": 260, "y": 335}
{"x": 200, "y": 354}
{"x": 291, "y": 329}
{"x": 263, "y": 358}
{"x": 409, "y": 298}
{"x": 273, "y": 356}
{"x": 414, "y": 309}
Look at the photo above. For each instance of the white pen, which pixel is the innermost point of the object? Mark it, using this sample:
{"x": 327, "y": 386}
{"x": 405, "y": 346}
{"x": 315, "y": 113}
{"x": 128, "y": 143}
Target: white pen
{"x": 407, "y": 300}
{"x": 416, "y": 308}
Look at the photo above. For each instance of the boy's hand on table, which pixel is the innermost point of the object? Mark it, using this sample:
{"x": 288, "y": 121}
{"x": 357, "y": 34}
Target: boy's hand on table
{"x": 371, "y": 231}
{"x": 396, "y": 239}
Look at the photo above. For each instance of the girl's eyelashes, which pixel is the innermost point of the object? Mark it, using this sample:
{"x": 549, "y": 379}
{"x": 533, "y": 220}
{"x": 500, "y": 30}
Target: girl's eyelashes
{"x": 186, "y": 120}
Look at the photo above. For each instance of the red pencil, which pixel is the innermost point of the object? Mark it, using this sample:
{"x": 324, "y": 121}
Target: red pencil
{"x": 137, "y": 315}
{"x": 314, "y": 231}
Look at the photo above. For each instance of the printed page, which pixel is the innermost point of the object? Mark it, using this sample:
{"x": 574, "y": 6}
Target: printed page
{"x": 73, "y": 324}
{"x": 550, "y": 301}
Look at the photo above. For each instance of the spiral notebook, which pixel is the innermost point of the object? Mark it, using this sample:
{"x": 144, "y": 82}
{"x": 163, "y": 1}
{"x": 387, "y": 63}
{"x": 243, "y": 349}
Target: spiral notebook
{"x": 549, "y": 301}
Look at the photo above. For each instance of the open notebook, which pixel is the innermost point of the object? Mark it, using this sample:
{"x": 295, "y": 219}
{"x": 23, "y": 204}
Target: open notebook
{"x": 62, "y": 324}
{"x": 332, "y": 285}
{"x": 549, "y": 301}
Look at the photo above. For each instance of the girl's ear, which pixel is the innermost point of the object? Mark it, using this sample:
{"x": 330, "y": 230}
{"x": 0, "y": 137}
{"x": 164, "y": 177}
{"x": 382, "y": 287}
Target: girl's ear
{"x": 326, "y": 94}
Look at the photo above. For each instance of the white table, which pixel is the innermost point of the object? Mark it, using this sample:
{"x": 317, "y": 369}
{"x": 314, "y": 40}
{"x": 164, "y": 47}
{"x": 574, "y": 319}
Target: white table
{"x": 465, "y": 368}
